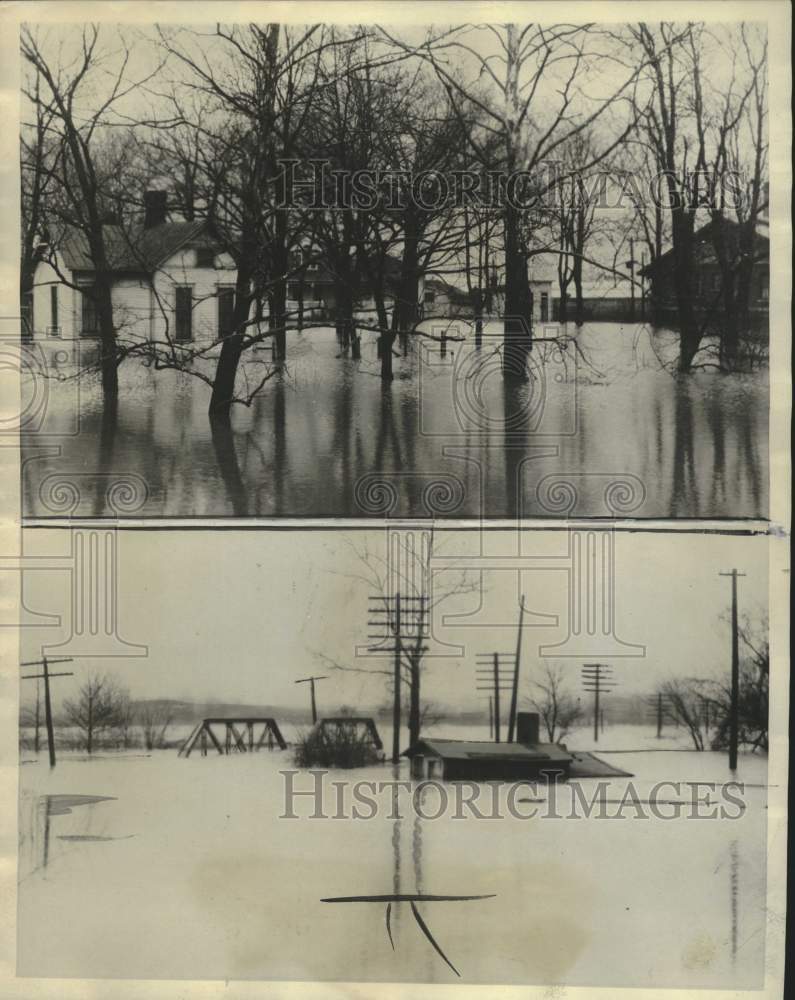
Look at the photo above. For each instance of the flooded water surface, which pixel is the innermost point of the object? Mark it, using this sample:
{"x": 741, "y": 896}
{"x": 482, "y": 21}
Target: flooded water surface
{"x": 599, "y": 428}
{"x": 192, "y": 871}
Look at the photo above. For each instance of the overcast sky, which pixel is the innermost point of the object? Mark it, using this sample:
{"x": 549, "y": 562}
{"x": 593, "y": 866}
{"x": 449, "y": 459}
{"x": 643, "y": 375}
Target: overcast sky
{"x": 239, "y": 615}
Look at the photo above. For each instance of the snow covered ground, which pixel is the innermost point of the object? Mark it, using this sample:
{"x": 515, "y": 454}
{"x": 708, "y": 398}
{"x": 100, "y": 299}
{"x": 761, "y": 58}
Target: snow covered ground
{"x": 188, "y": 871}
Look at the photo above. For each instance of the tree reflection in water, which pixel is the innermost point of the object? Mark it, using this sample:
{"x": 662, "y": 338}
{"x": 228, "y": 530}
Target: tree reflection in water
{"x": 698, "y": 443}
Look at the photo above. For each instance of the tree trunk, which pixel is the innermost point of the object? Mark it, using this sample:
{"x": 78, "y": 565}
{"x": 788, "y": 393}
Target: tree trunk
{"x": 386, "y": 336}
{"x": 281, "y": 263}
{"x": 107, "y": 334}
{"x": 414, "y": 702}
{"x": 385, "y": 343}
{"x": 579, "y": 307}
{"x": 231, "y": 349}
{"x": 518, "y": 318}
{"x": 563, "y": 305}
{"x": 345, "y": 321}
{"x": 476, "y": 297}
{"x": 301, "y": 302}
{"x": 689, "y": 336}
{"x": 408, "y": 289}
{"x": 745, "y": 271}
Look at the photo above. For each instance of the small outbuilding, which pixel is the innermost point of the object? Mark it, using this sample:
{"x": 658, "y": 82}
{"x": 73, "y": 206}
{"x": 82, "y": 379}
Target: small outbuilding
{"x": 473, "y": 760}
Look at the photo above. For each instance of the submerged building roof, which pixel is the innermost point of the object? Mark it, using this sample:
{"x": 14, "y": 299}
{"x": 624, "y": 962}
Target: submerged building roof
{"x": 477, "y": 749}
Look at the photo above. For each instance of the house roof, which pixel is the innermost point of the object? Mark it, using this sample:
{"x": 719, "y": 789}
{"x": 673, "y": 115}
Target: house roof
{"x": 136, "y": 250}
{"x": 543, "y": 269}
{"x": 477, "y": 750}
{"x": 455, "y": 294}
{"x": 702, "y": 236}
{"x": 324, "y": 273}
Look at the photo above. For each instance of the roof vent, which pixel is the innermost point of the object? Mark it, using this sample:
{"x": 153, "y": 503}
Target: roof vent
{"x": 527, "y": 727}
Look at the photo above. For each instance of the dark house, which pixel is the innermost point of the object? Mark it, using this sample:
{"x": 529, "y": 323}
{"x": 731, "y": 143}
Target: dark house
{"x": 314, "y": 285}
{"x": 707, "y": 278}
{"x": 470, "y": 760}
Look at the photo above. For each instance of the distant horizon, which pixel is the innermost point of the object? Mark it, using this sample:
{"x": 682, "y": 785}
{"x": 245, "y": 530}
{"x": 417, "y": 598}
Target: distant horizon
{"x": 291, "y": 610}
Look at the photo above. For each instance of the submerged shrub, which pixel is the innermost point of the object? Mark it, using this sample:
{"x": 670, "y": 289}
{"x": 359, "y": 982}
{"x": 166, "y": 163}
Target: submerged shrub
{"x": 341, "y": 745}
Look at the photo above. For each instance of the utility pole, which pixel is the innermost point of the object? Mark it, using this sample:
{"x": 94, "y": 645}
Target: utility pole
{"x": 311, "y": 680}
{"x": 515, "y": 689}
{"x": 490, "y": 677}
{"x": 642, "y": 286}
{"x": 392, "y": 617}
{"x": 45, "y": 675}
{"x": 396, "y": 701}
{"x": 491, "y": 717}
{"x": 631, "y": 265}
{"x": 597, "y": 678}
{"x": 497, "y": 697}
{"x": 658, "y": 710}
{"x": 735, "y": 689}
{"x": 36, "y": 740}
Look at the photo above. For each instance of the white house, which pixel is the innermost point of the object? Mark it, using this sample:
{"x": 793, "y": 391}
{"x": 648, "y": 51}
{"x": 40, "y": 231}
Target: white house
{"x": 171, "y": 279}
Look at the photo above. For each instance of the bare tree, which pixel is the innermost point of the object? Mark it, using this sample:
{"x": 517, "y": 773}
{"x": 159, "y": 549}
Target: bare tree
{"x": 39, "y": 152}
{"x": 258, "y": 84}
{"x": 575, "y": 213}
{"x": 125, "y": 717}
{"x": 31, "y": 717}
{"x": 95, "y": 710}
{"x": 692, "y": 136}
{"x": 529, "y": 101}
{"x": 736, "y": 121}
{"x": 62, "y": 94}
{"x": 408, "y": 572}
{"x": 754, "y": 688}
{"x": 684, "y": 699}
{"x": 555, "y": 704}
{"x": 154, "y": 720}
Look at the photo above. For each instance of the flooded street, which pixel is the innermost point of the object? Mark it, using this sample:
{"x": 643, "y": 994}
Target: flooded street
{"x": 600, "y": 429}
{"x": 188, "y": 871}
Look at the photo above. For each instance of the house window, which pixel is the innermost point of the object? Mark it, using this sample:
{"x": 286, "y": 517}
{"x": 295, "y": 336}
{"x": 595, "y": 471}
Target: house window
{"x": 54, "y": 307}
{"x": 293, "y": 291}
{"x": 89, "y": 327}
{"x": 226, "y": 308}
{"x": 205, "y": 257}
{"x": 545, "y": 307}
{"x": 183, "y": 313}
{"x": 764, "y": 288}
{"x": 429, "y": 297}
{"x": 715, "y": 281}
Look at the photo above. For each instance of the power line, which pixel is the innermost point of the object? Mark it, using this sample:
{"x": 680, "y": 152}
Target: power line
{"x": 44, "y": 663}
{"x": 659, "y": 710}
{"x": 734, "y": 705}
{"x": 515, "y": 690}
{"x": 395, "y": 618}
{"x": 311, "y": 681}
{"x": 490, "y": 676}
{"x": 597, "y": 678}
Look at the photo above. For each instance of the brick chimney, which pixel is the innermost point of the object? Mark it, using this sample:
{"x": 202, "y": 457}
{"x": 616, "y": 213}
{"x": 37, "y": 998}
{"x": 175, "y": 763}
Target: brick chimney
{"x": 527, "y": 727}
{"x": 155, "y": 203}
